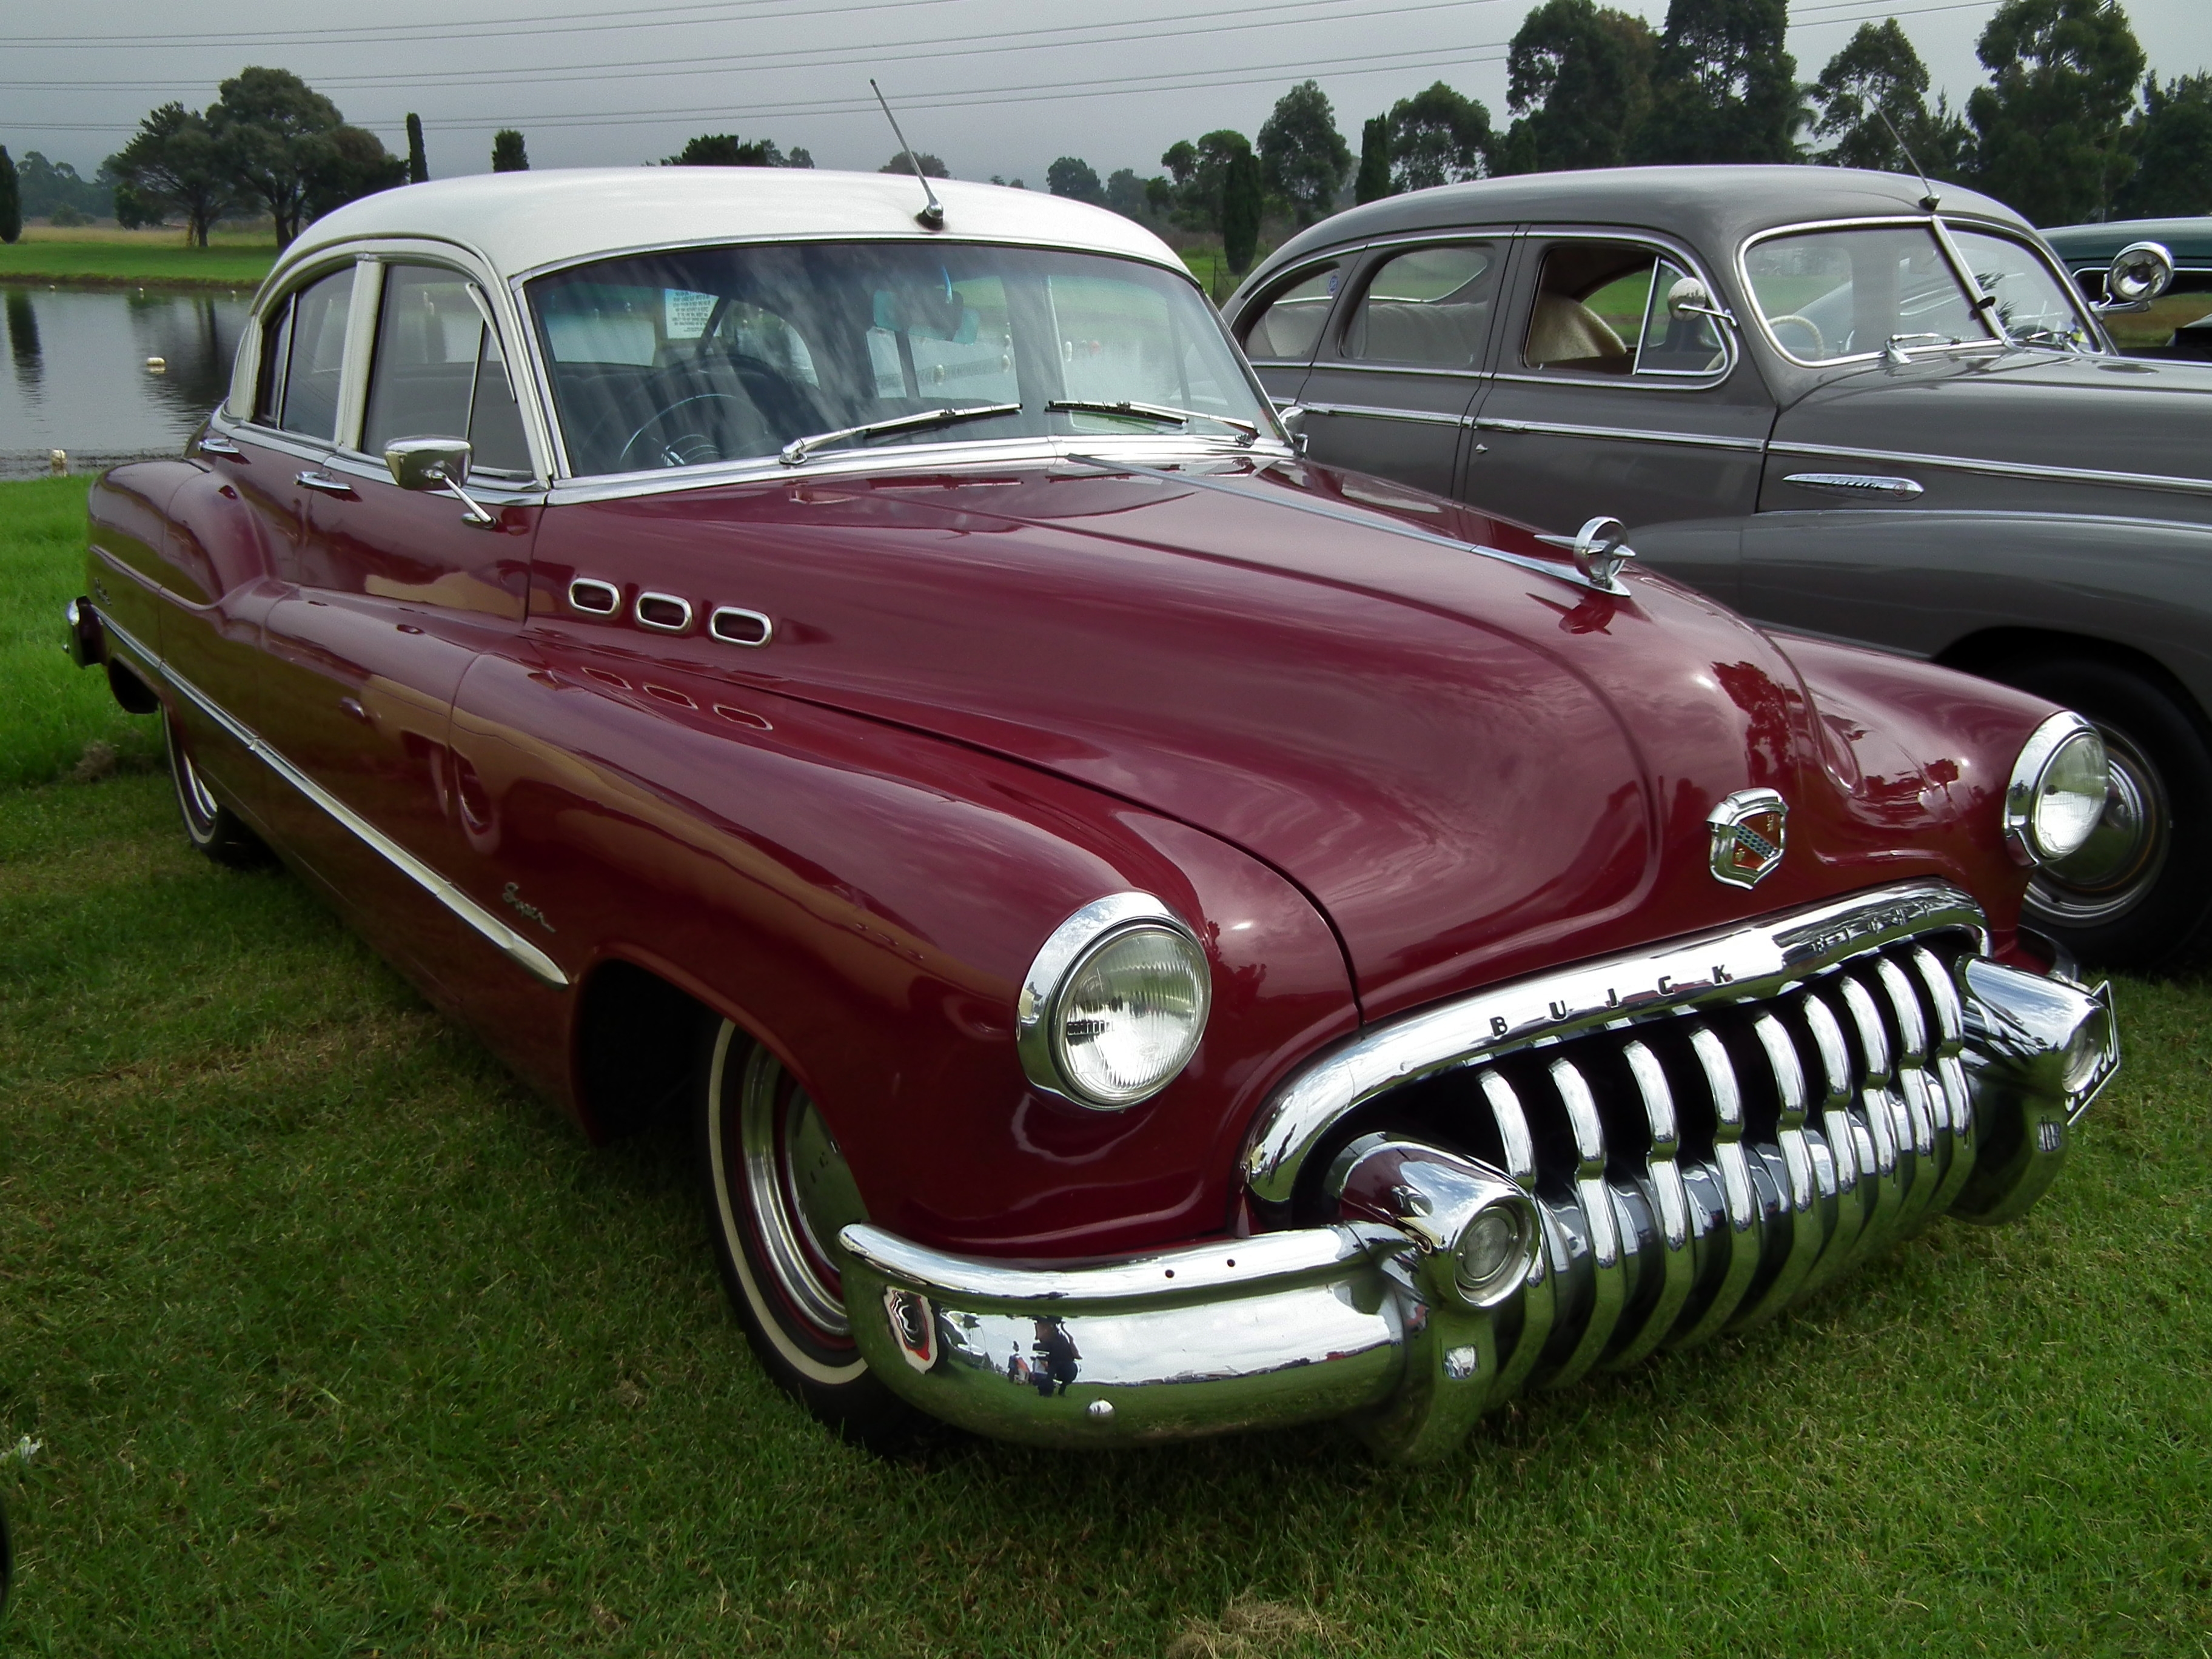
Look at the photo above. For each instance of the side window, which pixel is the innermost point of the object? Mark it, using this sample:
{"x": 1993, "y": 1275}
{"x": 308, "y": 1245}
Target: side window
{"x": 1591, "y": 304}
{"x": 1429, "y": 306}
{"x": 1668, "y": 344}
{"x": 1289, "y": 327}
{"x": 303, "y": 352}
{"x": 438, "y": 371}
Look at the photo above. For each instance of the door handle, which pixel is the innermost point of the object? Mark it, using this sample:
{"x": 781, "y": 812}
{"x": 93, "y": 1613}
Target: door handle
{"x": 352, "y": 706}
{"x": 1492, "y": 424}
{"x": 215, "y": 444}
{"x": 326, "y": 484}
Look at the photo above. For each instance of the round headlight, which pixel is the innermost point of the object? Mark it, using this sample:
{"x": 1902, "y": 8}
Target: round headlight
{"x": 1494, "y": 1253}
{"x": 1115, "y": 1005}
{"x": 2058, "y": 789}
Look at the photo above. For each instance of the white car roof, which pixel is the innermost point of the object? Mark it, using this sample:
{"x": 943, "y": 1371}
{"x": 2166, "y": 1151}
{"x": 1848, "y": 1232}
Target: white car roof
{"x": 518, "y": 222}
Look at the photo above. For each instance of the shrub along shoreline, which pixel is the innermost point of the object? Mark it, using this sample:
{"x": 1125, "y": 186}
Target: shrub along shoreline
{"x": 119, "y": 264}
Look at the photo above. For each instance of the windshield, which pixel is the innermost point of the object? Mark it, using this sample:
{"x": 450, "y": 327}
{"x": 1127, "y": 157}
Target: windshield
{"x": 1828, "y": 294}
{"x": 682, "y": 358}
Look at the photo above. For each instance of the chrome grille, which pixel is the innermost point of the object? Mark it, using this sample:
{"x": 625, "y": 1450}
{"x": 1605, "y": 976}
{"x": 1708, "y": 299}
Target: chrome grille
{"x": 1700, "y": 1168}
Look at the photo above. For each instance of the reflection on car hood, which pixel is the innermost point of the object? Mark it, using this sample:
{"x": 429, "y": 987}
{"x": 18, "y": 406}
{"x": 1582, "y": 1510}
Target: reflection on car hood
{"x": 1475, "y": 769}
{"x": 2030, "y": 408}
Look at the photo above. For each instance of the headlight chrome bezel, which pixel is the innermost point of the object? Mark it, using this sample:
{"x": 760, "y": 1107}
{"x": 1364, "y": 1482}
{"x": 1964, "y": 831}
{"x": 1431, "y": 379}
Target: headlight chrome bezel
{"x": 1038, "y": 1034}
{"x": 2038, "y": 756}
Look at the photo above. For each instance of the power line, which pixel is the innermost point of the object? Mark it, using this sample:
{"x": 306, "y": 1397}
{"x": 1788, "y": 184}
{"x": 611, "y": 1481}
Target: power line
{"x": 814, "y": 57}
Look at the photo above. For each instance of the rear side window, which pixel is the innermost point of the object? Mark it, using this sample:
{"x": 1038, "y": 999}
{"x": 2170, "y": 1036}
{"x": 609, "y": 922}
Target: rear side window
{"x": 1289, "y": 326}
{"x": 303, "y": 357}
{"x": 1601, "y": 308}
{"x": 1428, "y": 306}
{"x": 438, "y": 371}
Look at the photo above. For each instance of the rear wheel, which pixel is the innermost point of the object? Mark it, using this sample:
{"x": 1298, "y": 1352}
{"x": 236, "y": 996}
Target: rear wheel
{"x": 2134, "y": 896}
{"x": 777, "y": 1192}
{"x": 209, "y": 825}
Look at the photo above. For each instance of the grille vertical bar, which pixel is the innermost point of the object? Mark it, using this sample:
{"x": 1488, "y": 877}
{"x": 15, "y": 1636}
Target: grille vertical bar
{"x": 1883, "y": 1113}
{"x": 1609, "y": 1272}
{"x": 1923, "y": 1107}
{"x": 1810, "y": 1218}
{"x": 1850, "y": 1149}
{"x": 1950, "y": 1070}
{"x": 1670, "y": 1209}
{"x": 1744, "y": 1241}
{"x": 1540, "y": 1299}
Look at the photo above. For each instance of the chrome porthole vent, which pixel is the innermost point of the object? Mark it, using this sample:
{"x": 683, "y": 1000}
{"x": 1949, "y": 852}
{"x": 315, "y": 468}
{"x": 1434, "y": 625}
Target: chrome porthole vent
{"x": 593, "y": 598}
{"x": 734, "y": 625}
{"x": 663, "y": 613}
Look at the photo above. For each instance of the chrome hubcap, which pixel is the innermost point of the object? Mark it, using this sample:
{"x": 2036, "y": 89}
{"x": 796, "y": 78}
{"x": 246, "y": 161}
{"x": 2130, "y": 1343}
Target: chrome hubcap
{"x": 2125, "y": 853}
{"x": 200, "y": 802}
{"x": 798, "y": 1190}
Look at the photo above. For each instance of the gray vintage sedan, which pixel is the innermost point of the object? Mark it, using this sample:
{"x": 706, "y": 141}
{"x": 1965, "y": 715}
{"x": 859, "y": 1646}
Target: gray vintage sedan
{"x": 1844, "y": 403}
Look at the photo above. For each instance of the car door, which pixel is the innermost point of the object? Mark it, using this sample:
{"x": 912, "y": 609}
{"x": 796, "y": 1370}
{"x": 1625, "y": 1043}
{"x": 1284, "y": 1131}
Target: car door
{"x": 1399, "y": 366}
{"x": 221, "y": 589}
{"x": 1608, "y": 400}
{"x": 392, "y": 594}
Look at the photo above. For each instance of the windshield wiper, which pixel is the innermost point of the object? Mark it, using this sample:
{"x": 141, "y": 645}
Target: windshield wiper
{"x": 1247, "y": 433}
{"x": 799, "y": 448}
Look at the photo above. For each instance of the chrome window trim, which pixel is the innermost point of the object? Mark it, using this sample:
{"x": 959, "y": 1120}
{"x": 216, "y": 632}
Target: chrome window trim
{"x": 1629, "y": 434}
{"x": 1361, "y": 366}
{"x": 1670, "y": 380}
{"x": 360, "y": 347}
{"x": 270, "y": 437}
{"x": 1908, "y": 221}
{"x": 526, "y": 955}
{"x": 1289, "y": 278}
{"x": 1740, "y": 964}
{"x": 932, "y": 239}
{"x": 1389, "y": 247}
{"x": 309, "y": 271}
{"x": 1998, "y": 468}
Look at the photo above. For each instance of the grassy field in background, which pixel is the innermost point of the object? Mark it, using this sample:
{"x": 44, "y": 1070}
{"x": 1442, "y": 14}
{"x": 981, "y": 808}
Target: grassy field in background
{"x": 335, "y": 1340}
{"x": 112, "y": 258}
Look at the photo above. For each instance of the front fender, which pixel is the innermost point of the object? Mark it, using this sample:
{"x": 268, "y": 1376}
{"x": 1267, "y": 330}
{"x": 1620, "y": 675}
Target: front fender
{"x": 866, "y": 899}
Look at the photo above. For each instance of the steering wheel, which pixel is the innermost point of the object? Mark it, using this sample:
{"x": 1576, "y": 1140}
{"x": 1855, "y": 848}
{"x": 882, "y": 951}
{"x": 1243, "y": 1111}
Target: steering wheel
{"x": 1819, "y": 340}
{"x": 679, "y": 447}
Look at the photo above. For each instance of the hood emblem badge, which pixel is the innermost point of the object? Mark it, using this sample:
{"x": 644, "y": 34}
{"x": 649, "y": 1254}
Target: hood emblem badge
{"x": 1748, "y": 837}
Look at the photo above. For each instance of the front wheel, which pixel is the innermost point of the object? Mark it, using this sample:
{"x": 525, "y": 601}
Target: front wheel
{"x": 2134, "y": 896}
{"x": 211, "y": 826}
{"x": 777, "y": 1193}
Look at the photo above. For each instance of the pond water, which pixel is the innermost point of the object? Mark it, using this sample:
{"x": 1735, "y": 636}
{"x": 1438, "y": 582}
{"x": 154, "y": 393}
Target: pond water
{"x": 77, "y": 377}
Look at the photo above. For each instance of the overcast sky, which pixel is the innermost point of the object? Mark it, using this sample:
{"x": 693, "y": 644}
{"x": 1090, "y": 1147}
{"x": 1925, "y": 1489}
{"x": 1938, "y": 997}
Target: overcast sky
{"x": 993, "y": 86}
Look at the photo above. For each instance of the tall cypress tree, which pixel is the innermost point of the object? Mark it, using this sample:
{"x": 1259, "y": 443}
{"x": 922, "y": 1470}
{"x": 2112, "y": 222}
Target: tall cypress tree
{"x": 418, "y": 164}
{"x": 1373, "y": 182}
{"x": 11, "y": 199}
{"x": 1243, "y": 195}
{"x": 508, "y": 155}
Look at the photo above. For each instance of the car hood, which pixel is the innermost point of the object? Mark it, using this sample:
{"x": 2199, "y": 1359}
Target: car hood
{"x": 1474, "y": 769}
{"x": 2038, "y": 409}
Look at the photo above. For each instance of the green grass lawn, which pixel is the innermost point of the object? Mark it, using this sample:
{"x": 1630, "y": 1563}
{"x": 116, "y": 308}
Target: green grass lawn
{"x": 113, "y": 260}
{"x": 336, "y": 1341}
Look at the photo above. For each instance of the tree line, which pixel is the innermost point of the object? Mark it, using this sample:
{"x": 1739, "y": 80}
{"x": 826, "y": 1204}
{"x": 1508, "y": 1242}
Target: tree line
{"x": 2068, "y": 127}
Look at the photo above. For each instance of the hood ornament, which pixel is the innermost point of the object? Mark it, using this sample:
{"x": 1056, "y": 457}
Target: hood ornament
{"x": 1748, "y": 837}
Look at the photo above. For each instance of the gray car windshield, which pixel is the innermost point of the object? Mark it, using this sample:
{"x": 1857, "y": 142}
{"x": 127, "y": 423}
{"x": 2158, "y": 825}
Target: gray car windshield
{"x": 1829, "y": 295}
{"x": 697, "y": 355}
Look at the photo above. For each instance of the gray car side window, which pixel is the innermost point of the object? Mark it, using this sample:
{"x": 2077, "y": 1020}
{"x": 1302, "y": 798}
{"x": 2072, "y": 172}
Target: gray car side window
{"x": 1428, "y": 306}
{"x": 1288, "y": 327}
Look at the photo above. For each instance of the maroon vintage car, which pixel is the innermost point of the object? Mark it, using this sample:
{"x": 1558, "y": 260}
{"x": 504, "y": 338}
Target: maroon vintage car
{"x": 1155, "y": 937}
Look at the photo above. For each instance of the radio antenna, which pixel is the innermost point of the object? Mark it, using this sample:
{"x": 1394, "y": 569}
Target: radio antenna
{"x": 1928, "y": 198}
{"x": 931, "y": 217}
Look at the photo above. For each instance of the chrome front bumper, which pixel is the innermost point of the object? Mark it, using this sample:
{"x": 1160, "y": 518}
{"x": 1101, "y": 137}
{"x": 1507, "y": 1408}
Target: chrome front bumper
{"x": 1965, "y": 1108}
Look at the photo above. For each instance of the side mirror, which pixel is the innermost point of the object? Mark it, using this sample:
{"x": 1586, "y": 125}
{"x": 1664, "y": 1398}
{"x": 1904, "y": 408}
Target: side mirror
{"x": 1293, "y": 419}
{"x": 1688, "y": 297}
{"x": 437, "y": 464}
{"x": 2141, "y": 272}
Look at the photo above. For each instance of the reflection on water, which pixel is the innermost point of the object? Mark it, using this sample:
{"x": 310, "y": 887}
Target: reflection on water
{"x": 79, "y": 380}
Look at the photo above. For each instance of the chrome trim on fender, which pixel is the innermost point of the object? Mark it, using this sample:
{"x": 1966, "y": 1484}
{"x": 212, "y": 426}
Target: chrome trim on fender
{"x": 1856, "y": 484}
{"x": 525, "y": 954}
{"x": 1733, "y": 966}
{"x": 1996, "y": 469}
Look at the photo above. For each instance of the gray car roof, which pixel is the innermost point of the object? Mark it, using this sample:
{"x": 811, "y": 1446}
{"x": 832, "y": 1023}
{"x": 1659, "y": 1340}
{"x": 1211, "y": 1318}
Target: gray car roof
{"x": 1715, "y": 207}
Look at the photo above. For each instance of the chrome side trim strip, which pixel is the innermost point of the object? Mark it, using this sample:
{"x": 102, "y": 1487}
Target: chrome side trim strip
{"x": 1629, "y": 434}
{"x": 1856, "y": 483}
{"x": 1996, "y": 469}
{"x": 1736, "y": 965}
{"x": 527, "y": 955}
{"x": 1426, "y": 417}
